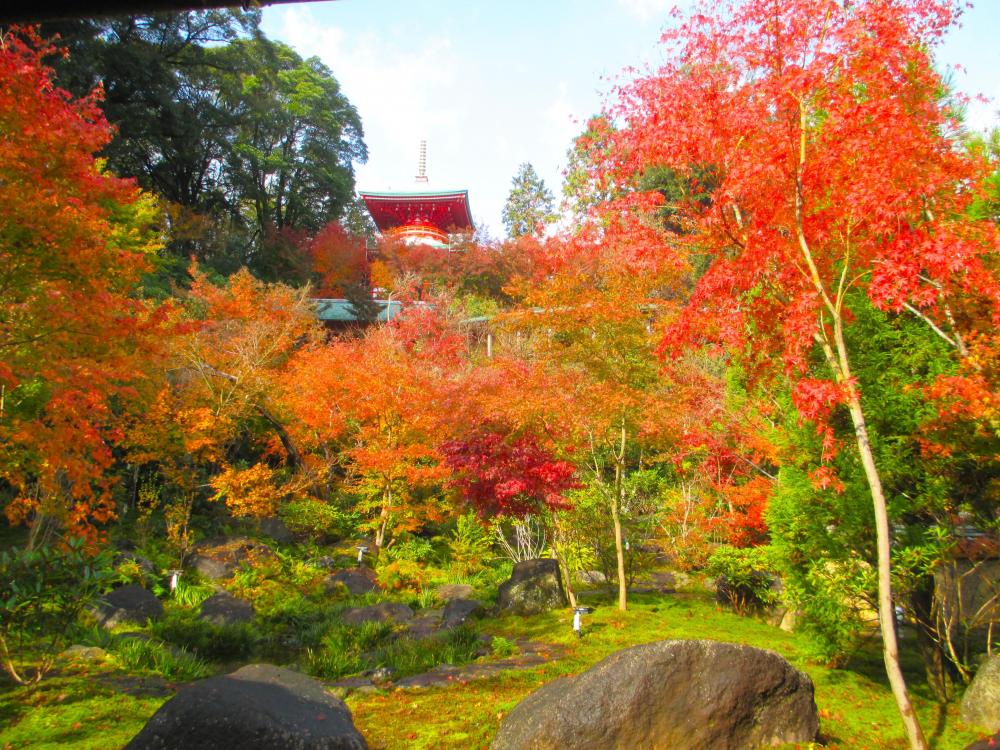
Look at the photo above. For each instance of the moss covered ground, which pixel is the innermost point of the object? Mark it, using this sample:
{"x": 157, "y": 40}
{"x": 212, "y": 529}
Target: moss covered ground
{"x": 103, "y": 706}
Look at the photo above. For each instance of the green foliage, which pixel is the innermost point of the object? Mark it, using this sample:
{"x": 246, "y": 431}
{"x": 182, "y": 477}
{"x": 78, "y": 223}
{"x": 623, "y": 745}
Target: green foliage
{"x": 588, "y": 529}
{"x": 402, "y": 575}
{"x": 348, "y": 649}
{"x": 748, "y": 576}
{"x": 182, "y": 628}
{"x": 503, "y": 647}
{"x": 530, "y": 205}
{"x": 42, "y": 592}
{"x": 241, "y": 137}
{"x": 317, "y": 520}
{"x": 410, "y": 548}
{"x": 141, "y": 655}
{"x": 469, "y": 546}
{"x": 188, "y": 594}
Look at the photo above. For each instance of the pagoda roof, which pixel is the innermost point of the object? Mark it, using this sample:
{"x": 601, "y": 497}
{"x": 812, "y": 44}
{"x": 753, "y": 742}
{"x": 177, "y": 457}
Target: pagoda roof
{"x": 447, "y": 210}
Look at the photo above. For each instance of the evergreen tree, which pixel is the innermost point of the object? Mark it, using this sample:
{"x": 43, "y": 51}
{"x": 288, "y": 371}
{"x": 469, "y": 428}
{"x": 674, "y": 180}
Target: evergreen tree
{"x": 530, "y": 205}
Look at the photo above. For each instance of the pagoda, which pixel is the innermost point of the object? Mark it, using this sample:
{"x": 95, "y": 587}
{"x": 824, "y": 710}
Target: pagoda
{"x": 421, "y": 217}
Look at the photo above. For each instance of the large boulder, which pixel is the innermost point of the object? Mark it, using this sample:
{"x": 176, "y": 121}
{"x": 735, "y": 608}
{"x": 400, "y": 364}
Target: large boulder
{"x": 534, "y": 586}
{"x": 378, "y": 613}
{"x": 981, "y": 704}
{"x": 130, "y": 603}
{"x": 223, "y": 608}
{"x": 449, "y": 591}
{"x": 989, "y": 743}
{"x": 357, "y": 580}
{"x": 220, "y": 558}
{"x": 258, "y": 707}
{"x": 458, "y": 611}
{"x": 669, "y": 694}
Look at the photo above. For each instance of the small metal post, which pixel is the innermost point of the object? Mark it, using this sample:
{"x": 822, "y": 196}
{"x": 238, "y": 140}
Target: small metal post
{"x": 578, "y": 613}
{"x": 361, "y": 554}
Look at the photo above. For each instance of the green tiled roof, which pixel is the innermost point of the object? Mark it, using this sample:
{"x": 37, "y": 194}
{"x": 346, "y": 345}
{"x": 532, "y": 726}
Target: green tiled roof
{"x": 341, "y": 311}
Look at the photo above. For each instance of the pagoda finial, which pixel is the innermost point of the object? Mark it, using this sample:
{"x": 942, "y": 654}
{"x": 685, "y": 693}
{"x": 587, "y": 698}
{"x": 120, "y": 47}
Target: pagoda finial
{"x": 422, "y": 163}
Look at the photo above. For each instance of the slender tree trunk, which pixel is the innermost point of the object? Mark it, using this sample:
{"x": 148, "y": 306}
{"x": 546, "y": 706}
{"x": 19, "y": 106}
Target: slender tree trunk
{"x": 886, "y": 612}
{"x": 561, "y": 561}
{"x": 840, "y": 366}
{"x": 616, "y": 505}
{"x": 383, "y": 525}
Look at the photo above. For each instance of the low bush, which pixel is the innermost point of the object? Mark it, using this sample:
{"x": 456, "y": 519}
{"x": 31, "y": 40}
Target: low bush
{"x": 317, "y": 520}
{"x": 745, "y": 577}
{"x": 42, "y": 593}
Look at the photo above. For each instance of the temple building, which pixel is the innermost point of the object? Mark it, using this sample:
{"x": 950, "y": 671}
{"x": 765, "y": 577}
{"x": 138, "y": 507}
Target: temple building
{"x": 424, "y": 217}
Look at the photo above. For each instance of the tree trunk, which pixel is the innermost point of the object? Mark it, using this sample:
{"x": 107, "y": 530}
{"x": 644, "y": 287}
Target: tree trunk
{"x": 383, "y": 525}
{"x": 561, "y": 561}
{"x": 886, "y": 612}
{"x": 616, "y": 503}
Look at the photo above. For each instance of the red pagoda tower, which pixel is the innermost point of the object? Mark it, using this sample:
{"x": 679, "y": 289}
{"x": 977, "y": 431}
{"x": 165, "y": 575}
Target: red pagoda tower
{"x": 423, "y": 217}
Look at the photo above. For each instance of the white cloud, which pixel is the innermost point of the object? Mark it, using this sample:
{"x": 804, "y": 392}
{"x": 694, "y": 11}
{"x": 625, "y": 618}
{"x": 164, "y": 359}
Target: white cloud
{"x": 404, "y": 93}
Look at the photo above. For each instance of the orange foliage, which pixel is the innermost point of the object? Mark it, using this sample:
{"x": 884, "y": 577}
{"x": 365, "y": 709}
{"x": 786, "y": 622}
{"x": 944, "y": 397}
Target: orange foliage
{"x": 73, "y": 244}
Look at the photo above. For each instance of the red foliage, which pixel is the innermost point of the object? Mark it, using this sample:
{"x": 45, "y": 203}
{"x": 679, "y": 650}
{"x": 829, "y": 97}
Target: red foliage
{"x": 337, "y": 261}
{"x": 510, "y": 476}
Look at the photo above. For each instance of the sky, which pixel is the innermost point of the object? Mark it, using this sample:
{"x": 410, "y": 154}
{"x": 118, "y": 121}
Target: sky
{"x": 491, "y": 84}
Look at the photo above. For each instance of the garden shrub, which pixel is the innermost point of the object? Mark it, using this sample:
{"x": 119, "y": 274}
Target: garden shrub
{"x": 744, "y": 576}
{"x": 403, "y": 575}
{"x": 469, "y": 546}
{"x": 42, "y": 593}
{"x": 317, "y": 520}
{"x": 411, "y": 548}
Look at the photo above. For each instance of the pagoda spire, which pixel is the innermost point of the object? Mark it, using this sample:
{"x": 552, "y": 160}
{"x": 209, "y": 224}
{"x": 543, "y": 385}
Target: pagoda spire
{"x": 422, "y": 164}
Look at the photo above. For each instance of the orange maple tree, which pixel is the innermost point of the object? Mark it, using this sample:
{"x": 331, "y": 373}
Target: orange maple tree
{"x": 368, "y": 411}
{"x": 74, "y": 242}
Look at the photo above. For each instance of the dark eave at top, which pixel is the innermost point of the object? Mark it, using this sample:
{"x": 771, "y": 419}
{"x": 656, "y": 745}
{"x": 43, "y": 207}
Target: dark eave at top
{"x": 25, "y": 12}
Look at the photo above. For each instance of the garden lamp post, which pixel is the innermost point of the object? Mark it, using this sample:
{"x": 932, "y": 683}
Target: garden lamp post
{"x": 578, "y": 613}
{"x": 361, "y": 554}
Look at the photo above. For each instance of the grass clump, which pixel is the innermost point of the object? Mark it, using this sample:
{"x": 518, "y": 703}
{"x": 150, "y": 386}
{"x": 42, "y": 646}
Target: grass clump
{"x": 141, "y": 655}
{"x": 353, "y": 649}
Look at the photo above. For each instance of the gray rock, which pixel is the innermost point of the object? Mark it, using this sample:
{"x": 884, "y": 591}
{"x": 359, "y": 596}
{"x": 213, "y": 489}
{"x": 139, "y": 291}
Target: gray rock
{"x": 458, "y": 611}
{"x": 130, "y": 603}
{"x": 981, "y": 704}
{"x": 225, "y": 609}
{"x": 426, "y": 624}
{"x": 276, "y": 529}
{"x": 450, "y": 591}
{"x": 534, "y": 586}
{"x": 592, "y": 577}
{"x": 258, "y": 707}
{"x": 990, "y": 743}
{"x": 216, "y": 559}
{"x": 357, "y": 580}
{"x": 378, "y": 613}
{"x": 77, "y": 652}
{"x": 682, "y": 695}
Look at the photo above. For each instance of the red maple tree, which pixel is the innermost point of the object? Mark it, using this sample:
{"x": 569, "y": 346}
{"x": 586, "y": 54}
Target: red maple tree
{"x": 833, "y": 174}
